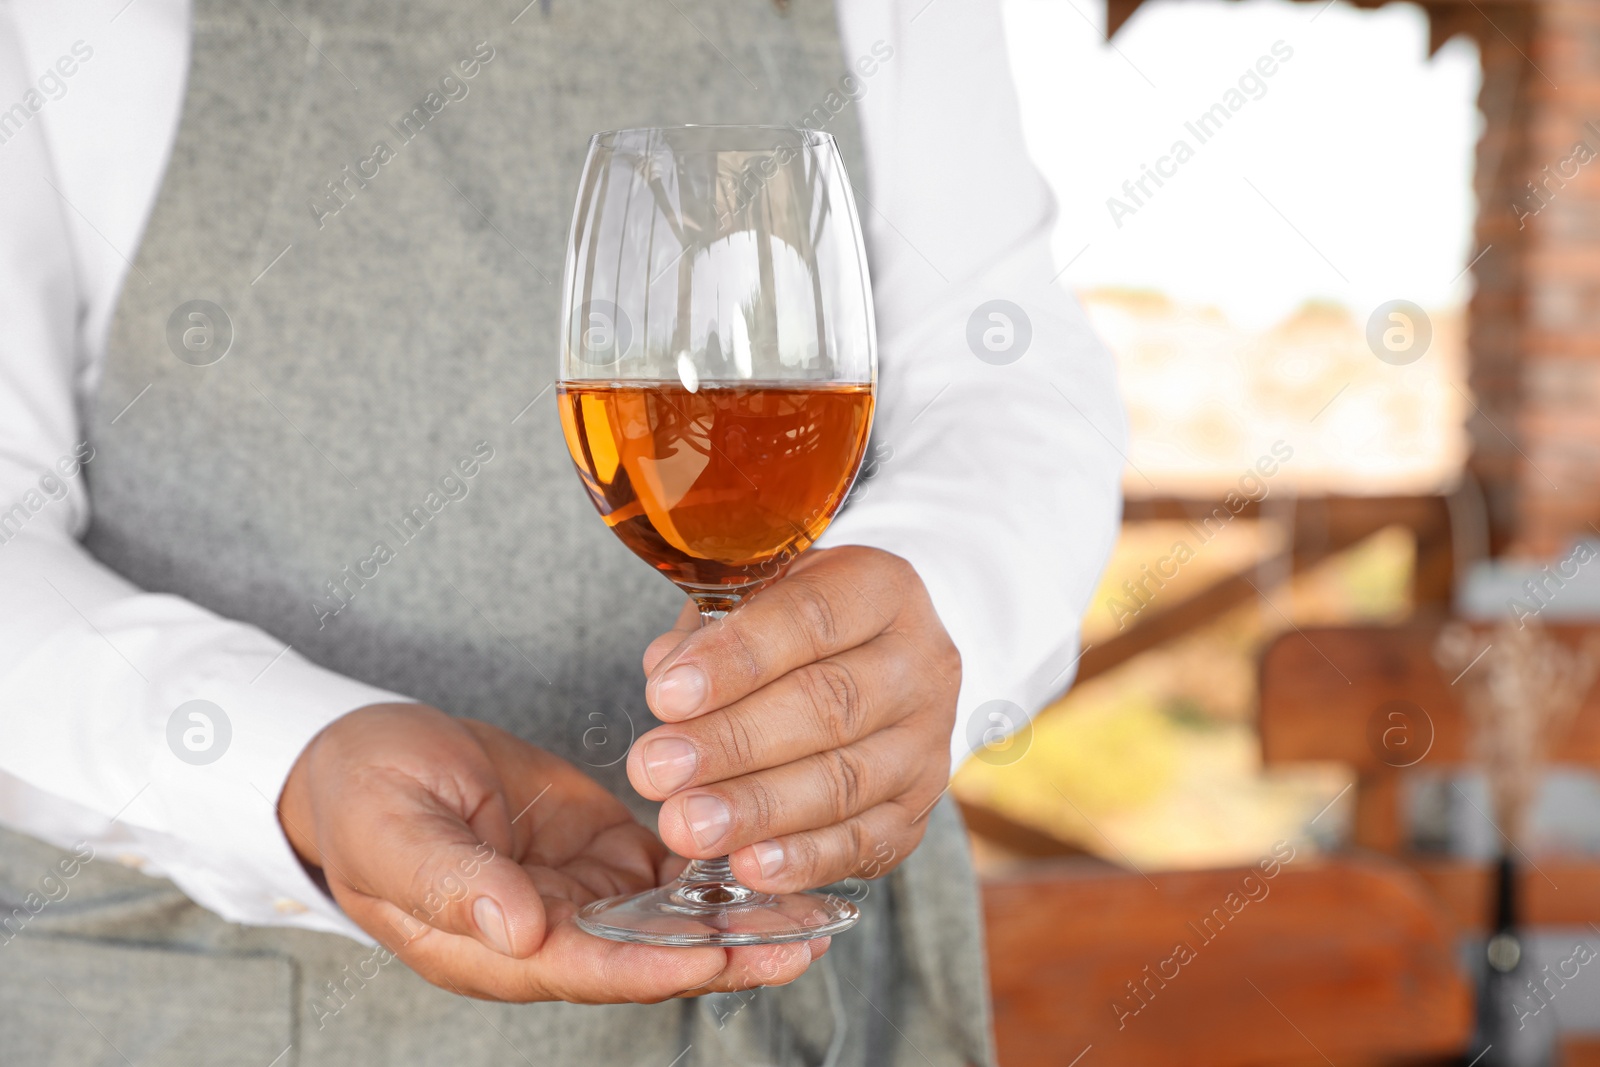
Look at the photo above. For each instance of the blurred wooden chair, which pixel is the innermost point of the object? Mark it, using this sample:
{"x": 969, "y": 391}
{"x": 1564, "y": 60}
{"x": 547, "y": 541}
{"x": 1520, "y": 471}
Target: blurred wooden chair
{"x": 1332, "y": 693}
{"x": 1349, "y": 959}
{"x": 1328, "y": 694}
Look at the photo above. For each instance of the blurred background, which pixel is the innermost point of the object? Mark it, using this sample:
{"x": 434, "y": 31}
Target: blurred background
{"x": 1323, "y": 791}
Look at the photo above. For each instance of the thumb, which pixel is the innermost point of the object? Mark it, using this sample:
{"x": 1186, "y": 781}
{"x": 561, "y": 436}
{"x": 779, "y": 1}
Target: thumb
{"x": 439, "y": 874}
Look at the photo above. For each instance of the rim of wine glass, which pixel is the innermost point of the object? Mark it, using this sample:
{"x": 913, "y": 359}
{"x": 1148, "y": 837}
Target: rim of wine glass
{"x": 809, "y": 137}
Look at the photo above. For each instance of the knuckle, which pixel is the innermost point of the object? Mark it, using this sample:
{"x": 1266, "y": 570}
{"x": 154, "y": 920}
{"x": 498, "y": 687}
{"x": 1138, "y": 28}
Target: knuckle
{"x": 950, "y": 657}
{"x": 426, "y": 894}
{"x": 806, "y": 856}
{"x": 846, "y": 784}
{"x": 943, "y": 680}
{"x": 879, "y": 849}
{"x": 734, "y": 743}
{"x": 740, "y": 649}
{"x": 863, "y": 854}
{"x": 894, "y": 578}
{"x": 834, "y": 699}
{"x": 760, "y": 808}
{"x": 814, "y": 620}
{"x": 900, "y": 569}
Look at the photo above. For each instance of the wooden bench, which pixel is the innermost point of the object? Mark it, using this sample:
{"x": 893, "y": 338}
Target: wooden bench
{"x": 1358, "y": 672}
{"x": 1347, "y": 961}
{"x": 1350, "y": 958}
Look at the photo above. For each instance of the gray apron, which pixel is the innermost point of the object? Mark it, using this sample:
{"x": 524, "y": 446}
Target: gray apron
{"x": 373, "y": 199}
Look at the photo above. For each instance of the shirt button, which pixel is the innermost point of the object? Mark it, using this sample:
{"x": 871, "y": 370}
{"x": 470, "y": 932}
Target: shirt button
{"x": 285, "y": 906}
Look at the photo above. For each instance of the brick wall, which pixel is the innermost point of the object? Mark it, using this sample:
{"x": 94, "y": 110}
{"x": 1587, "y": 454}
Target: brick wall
{"x": 1534, "y": 321}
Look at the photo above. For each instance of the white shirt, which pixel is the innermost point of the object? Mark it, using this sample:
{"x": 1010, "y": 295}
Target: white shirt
{"x": 1001, "y": 488}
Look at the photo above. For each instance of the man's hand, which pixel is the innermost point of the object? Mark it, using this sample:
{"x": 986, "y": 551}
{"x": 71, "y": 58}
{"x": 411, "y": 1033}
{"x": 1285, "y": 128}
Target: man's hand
{"x": 809, "y": 731}
{"x": 468, "y": 852}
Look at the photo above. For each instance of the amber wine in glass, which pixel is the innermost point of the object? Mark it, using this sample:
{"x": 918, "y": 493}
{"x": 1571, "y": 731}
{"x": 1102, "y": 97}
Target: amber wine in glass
{"x": 716, "y": 394}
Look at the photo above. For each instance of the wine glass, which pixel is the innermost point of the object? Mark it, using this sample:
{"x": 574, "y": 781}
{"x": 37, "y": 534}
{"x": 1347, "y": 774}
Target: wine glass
{"x": 718, "y": 369}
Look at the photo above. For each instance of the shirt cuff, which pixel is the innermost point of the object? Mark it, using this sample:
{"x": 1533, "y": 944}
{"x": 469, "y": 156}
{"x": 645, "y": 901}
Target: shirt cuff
{"x": 217, "y": 804}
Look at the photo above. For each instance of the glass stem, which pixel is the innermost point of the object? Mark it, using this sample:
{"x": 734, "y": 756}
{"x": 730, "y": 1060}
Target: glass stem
{"x": 713, "y": 606}
{"x": 716, "y": 870}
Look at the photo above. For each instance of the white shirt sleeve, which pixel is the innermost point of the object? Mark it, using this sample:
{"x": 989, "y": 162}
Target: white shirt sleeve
{"x": 92, "y": 669}
{"x": 998, "y": 479}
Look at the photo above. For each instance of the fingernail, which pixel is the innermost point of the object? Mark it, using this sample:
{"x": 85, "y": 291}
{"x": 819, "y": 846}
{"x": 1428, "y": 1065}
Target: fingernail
{"x": 708, "y": 819}
{"x": 492, "y": 924}
{"x": 669, "y": 763}
{"x": 817, "y": 946}
{"x": 769, "y": 857}
{"x": 681, "y": 690}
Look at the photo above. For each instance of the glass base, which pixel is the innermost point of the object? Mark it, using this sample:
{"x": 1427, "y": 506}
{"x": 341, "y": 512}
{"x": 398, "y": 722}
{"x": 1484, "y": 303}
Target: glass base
{"x": 706, "y": 906}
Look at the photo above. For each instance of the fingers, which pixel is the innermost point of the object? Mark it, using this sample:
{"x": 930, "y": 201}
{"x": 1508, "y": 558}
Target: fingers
{"x": 831, "y": 602}
{"x": 825, "y": 705}
{"x": 435, "y": 872}
{"x": 570, "y": 965}
{"x": 821, "y": 790}
{"x": 752, "y": 966}
{"x": 410, "y": 815}
{"x": 577, "y": 967}
{"x": 549, "y": 827}
{"x": 622, "y": 859}
{"x": 867, "y": 846}
{"x": 401, "y": 803}
{"x": 807, "y": 733}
